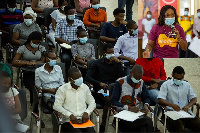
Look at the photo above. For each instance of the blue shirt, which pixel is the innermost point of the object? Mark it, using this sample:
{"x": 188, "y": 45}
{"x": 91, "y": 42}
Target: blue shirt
{"x": 179, "y": 95}
{"x": 67, "y": 32}
{"x": 108, "y": 30}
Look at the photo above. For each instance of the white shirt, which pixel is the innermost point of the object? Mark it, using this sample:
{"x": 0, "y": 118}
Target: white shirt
{"x": 71, "y": 101}
{"x": 128, "y": 45}
{"x": 46, "y": 80}
{"x": 148, "y": 25}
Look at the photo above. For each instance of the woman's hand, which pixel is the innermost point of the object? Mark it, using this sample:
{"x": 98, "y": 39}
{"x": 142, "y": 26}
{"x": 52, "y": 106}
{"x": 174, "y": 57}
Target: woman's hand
{"x": 177, "y": 34}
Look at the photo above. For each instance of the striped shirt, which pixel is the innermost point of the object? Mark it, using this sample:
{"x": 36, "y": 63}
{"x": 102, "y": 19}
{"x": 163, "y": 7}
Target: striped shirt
{"x": 67, "y": 32}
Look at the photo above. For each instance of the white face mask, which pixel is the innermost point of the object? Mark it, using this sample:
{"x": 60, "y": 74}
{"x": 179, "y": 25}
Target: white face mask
{"x": 28, "y": 22}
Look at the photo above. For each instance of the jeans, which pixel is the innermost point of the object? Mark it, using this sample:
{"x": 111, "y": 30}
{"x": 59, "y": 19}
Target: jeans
{"x": 129, "y": 5}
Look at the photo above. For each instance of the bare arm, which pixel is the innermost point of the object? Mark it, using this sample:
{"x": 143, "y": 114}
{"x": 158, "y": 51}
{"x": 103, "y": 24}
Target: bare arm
{"x": 150, "y": 45}
{"x": 17, "y": 109}
{"x": 34, "y": 7}
{"x": 80, "y": 60}
{"x": 78, "y": 7}
{"x": 55, "y": 3}
{"x": 53, "y": 24}
{"x": 107, "y": 39}
{"x": 15, "y": 38}
{"x": 18, "y": 62}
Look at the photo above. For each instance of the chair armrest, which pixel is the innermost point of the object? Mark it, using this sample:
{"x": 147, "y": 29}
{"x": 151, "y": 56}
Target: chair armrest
{"x": 96, "y": 112}
{"x": 36, "y": 116}
{"x": 150, "y": 109}
{"x": 58, "y": 117}
{"x": 198, "y": 107}
{"x": 16, "y": 87}
{"x": 38, "y": 91}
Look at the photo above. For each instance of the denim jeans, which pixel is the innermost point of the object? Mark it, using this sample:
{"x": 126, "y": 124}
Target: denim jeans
{"x": 129, "y": 5}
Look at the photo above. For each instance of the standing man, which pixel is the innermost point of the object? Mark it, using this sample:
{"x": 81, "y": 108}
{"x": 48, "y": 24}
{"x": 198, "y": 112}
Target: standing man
{"x": 186, "y": 23}
{"x": 129, "y": 5}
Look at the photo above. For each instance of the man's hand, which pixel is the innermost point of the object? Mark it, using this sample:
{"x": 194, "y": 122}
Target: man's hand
{"x": 134, "y": 109}
{"x": 186, "y": 108}
{"x": 103, "y": 85}
{"x": 175, "y": 107}
{"x": 131, "y": 61}
{"x": 154, "y": 86}
{"x": 73, "y": 119}
{"x": 115, "y": 59}
{"x": 156, "y": 80}
{"x": 85, "y": 117}
{"x": 52, "y": 91}
{"x": 145, "y": 109}
{"x": 146, "y": 54}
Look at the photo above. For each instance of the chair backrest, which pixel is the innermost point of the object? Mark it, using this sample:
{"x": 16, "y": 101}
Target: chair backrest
{"x": 62, "y": 65}
{"x": 23, "y": 101}
{"x": 47, "y": 16}
{"x": 94, "y": 42}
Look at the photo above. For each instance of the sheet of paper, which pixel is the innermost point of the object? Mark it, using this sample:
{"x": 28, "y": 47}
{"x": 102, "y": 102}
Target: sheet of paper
{"x": 175, "y": 115}
{"x": 185, "y": 114}
{"x": 21, "y": 127}
{"x": 144, "y": 41}
{"x": 65, "y": 45}
{"x": 128, "y": 115}
{"x": 188, "y": 38}
{"x": 102, "y": 92}
{"x": 83, "y": 125}
{"x": 195, "y": 46}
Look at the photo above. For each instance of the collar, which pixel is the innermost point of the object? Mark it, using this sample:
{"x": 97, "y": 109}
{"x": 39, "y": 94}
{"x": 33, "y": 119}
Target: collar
{"x": 129, "y": 36}
{"x": 69, "y": 87}
{"x": 74, "y": 24}
{"x": 55, "y": 69}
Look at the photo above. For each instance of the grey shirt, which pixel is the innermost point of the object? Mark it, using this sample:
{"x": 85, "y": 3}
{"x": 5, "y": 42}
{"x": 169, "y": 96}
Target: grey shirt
{"x": 28, "y": 55}
{"x": 24, "y": 31}
{"x": 86, "y": 50}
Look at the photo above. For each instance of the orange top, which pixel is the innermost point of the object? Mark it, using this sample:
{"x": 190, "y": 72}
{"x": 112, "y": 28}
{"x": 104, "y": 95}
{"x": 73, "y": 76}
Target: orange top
{"x": 91, "y": 16}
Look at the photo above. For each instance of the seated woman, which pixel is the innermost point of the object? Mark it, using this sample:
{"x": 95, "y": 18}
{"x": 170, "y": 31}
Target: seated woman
{"x": 27, "y": 56}
{"x": 80, "y": 5}
{"x": 166, "y": 36}
{"x": 39, "y": 5}
{"x": 10, "y": 95}
{"x": 56, "y": 15}
{"x": 82, "y": 51}
{"x": 23, "y": 30}
{"x": 94, "y": 16}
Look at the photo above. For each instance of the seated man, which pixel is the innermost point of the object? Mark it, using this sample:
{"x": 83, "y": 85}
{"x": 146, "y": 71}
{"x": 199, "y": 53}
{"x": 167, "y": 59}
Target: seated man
{"x": 66, "y": 32}
{"x": 101, "y": 73}
{"x": 126, "y": 47}
{"x": 178, "y": 95}
{"x": 111, "y": 31}
{"x": 128, "y": 93}
{"x": 9, "y": 16}
{"x": 74, "y": 101}
{"x": 49, "y": 77}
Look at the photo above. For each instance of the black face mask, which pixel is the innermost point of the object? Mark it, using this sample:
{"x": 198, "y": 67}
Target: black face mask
{"x": 4, "y": 89}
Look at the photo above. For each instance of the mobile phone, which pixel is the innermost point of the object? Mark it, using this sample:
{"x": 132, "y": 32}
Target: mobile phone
{"x": 80, "y": 121}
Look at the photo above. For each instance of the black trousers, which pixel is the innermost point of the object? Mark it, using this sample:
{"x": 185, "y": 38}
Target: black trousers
{"x": 67, "y": 128}
{"x": 143, "y": 124}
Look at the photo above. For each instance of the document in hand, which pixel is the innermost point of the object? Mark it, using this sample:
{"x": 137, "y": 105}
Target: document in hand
{"x": 104, "y": 94}
{"x": 83, "y": 125}
{"x": 195, "y": 46}
{"x": 65, "y": 45}
{"x": 175, "y": 115}
{"x": 128, "y": 115}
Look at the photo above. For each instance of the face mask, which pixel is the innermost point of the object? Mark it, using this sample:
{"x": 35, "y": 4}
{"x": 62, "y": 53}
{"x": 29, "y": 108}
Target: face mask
{"x": 71, "y": 17}
{"x": 78, "y": 82}
{"x": 96, "y": 6}
{"x": 34, "y": 45}
{"x": 169, "y": 21}
{"x": 62, "y": 8}
{"x": 135, "y": 32}
{"x": 108, "y": 56}
{"x": 135, "y": 81}
{"x": 28, "y": 22}
{"x": 83, "y": 40}
{"x": 52, "y": 62}
{"x": 198, "y": 14}
{"x": 148, "y": 15}
{"x": 186, "y": 13}
{"x": 177, "y": 82}
{"x": 11, "y": 9}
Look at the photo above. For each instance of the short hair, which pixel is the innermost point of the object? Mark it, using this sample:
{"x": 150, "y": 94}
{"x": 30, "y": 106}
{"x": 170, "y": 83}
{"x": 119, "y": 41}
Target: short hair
{"x": 60, "y": 2}
{"x": 130, "y": 23}
{"x": 106, "y": 46}
{"x": 46, "y": 53}
{"x": 79, "y": 30}
{"x": 4, "y": 74}
{"x": 137, "y": 68}
{"x": 198, "y": 10}
{"x": 67, "y": 8}
{"x": 161, "y": 18}
{"x": 72, "y": 70}
{"x": 35, "y": 35}
{"x": 178, "y": 70}
{"x": 117, "y": 11}
{"x": 11, "y": 2}
{"x": 187, "y": 8}
{"x": 149, "y": 12}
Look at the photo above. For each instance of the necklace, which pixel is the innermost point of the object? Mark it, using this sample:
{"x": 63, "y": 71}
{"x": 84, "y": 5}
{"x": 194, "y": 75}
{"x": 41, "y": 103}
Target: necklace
{"x": 167, "y": 34}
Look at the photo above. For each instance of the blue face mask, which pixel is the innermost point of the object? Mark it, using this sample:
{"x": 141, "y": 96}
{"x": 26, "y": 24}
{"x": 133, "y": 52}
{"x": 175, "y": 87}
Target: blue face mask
{"x": 11, "y": 9}
{"x": 148, "y": 15}
{"x": 108, "y": 56}
{"x": 71, "y": 17}
{"x": 83, "y": 40}
{"x": 135, "y": 32}
{"x": 169, "y": 21}
{"x": 34, "y": 45}
{"x": 79, "y": 81}
{"x": 96, "y": 6}
{"x": 177, "y": 82}
{"x": 135, "y": 81}
{"x": 28, "y": 22}
{"x": 186, "y": 13}
{"x": 198, "y": 14}
{"x": 52, "y": 62}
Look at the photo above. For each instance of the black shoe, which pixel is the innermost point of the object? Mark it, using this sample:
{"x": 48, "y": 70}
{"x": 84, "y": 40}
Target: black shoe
{"x": 102, "y": 129}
